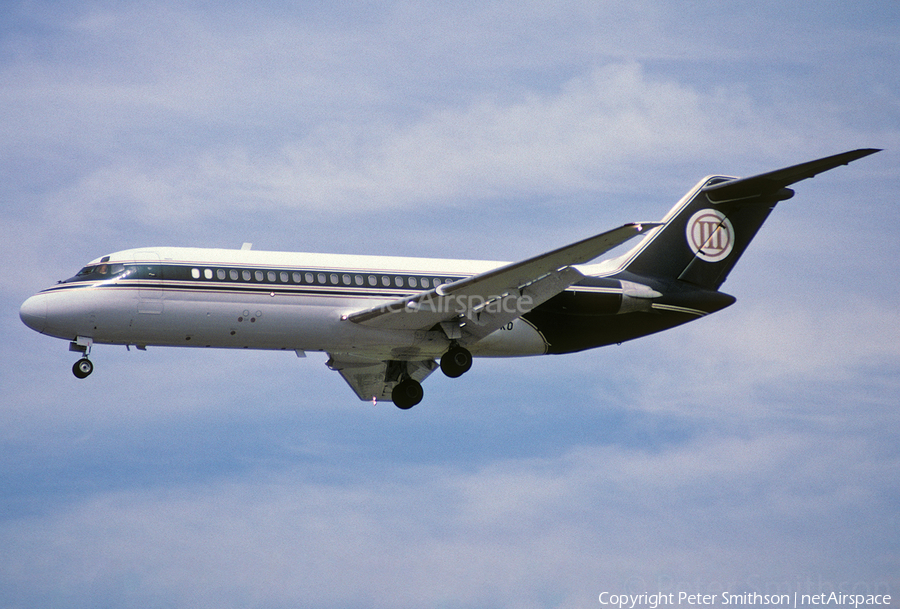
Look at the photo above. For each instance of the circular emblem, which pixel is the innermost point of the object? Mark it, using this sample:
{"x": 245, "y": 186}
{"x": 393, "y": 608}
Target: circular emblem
{"x": 710, "y": 235}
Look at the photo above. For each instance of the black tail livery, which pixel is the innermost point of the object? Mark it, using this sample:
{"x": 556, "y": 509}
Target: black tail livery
{"x": 705, "y": 235}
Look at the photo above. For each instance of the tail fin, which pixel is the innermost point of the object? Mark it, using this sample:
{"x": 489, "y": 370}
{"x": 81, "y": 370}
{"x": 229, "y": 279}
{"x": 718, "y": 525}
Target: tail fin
{"x": 704, "y": 235}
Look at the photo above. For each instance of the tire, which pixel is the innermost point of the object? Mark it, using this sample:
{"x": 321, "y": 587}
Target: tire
{"x": 407, "y": 394}
{"x": 83, "y": 368}
{"x": 456, "y": 362}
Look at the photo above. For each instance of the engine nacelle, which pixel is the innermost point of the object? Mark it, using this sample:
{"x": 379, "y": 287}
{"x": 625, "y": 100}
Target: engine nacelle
{"x": 636, "y": 297}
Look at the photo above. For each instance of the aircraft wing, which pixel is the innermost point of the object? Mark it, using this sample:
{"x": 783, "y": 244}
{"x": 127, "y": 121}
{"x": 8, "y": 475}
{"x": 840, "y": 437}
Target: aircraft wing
{"x": 373, "y": 379}
{"x": 471, "y": 308}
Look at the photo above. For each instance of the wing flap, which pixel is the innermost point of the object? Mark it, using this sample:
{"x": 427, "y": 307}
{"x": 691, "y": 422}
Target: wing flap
{"x": 483, "y": 319}
{"x": 373, "y": 379}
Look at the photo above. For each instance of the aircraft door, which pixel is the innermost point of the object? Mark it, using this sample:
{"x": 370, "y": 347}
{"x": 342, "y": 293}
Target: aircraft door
{"x": 148, "y": 271}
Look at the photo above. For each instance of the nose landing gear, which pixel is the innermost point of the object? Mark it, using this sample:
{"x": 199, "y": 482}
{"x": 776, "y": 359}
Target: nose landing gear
{"x": 83, "y": 367}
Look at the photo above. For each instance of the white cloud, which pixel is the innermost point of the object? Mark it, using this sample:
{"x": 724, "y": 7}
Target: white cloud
{"x": 511, "y": 533}
{"x": 765, "y": 346}
{"x": 604, "y": 131}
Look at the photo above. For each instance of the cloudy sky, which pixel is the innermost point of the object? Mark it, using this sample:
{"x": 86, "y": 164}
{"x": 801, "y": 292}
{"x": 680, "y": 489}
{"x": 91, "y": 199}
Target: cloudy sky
{"x": 755, "y": 450}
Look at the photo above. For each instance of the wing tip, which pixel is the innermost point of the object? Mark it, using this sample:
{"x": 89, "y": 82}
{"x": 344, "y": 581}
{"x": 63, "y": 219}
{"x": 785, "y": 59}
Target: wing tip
{"x": 860, "y": 153}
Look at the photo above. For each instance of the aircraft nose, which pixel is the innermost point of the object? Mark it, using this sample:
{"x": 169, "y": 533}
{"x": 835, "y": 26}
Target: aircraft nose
{"x": 33, "y": 312}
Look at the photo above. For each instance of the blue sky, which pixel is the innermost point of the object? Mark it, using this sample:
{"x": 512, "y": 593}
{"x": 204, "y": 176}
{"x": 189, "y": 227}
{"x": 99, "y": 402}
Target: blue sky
{"x": 755, "y": 450}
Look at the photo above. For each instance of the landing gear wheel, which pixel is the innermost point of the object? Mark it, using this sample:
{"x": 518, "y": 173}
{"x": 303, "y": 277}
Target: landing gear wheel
{"x": 456, "y": 362}
{"x": 407, "y": 393}
{"x": 83, "y": 368}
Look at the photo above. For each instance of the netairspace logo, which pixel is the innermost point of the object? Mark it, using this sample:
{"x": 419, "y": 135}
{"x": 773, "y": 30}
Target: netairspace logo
{"x": 465, "y": 304}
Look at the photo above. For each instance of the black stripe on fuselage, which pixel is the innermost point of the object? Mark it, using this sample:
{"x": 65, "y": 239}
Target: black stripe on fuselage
{"x": 584, "y": 316}
{"x": 389, "y": 281}
{"x": 343, "y": 282}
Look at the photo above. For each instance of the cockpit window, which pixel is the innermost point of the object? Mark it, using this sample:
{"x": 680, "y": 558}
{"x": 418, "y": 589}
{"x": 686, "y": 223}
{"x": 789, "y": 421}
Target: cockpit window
{"x": 99, "y": 271}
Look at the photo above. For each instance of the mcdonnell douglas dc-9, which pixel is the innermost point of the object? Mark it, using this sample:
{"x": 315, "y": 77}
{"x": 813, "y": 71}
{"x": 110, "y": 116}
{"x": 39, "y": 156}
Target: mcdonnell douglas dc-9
{"x": 385, "y": 322}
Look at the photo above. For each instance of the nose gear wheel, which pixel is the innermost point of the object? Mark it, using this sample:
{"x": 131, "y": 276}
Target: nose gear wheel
{"x": 83, "y": 368}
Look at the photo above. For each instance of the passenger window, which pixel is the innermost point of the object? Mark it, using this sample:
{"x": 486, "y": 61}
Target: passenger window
{"x": 398, "y": 281}
{"x": 346, "y": 279}
{"x": 425, "y": 282}
{"x": 385, "y": 281}
{"x": 195, "y": 273}
{"x": 412, "y": 282}
{"x": 220, "y": 274}
{"x": 373, "y": 280}
{"x": 259, "y": 275}
{"x": 245, "y": 275}
{"x": 321, "y": 278}
{"x": 271, "y": 276}
{"x": 309, "y": 278}
{"x": 359, "y": 279}
{"x": 284, "y": 277}
{"x": 334, "y": 279}
{"x": 297, "y": 277}
{"x": 233, "y": 274}
{"x": 207, "y": 273}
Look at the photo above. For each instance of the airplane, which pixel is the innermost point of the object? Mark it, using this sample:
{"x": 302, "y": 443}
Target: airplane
{"x": 386, "y": 322}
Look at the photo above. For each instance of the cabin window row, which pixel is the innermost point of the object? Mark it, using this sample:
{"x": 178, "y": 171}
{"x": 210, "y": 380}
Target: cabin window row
{"x": 318, "y": 278}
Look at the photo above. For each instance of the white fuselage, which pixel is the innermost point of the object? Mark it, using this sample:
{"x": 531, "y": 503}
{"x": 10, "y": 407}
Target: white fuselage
{"x": 257, "y": 300}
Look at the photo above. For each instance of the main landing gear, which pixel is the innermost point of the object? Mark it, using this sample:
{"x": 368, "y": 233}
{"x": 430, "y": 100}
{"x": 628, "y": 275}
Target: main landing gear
{"x": 456, "y": 361}
{"x": 408, "y": 392}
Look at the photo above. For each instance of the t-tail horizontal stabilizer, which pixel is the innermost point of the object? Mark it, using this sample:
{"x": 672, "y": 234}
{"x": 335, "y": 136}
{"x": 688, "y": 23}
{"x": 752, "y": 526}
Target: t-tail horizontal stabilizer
{"x": 770, "y": 184}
